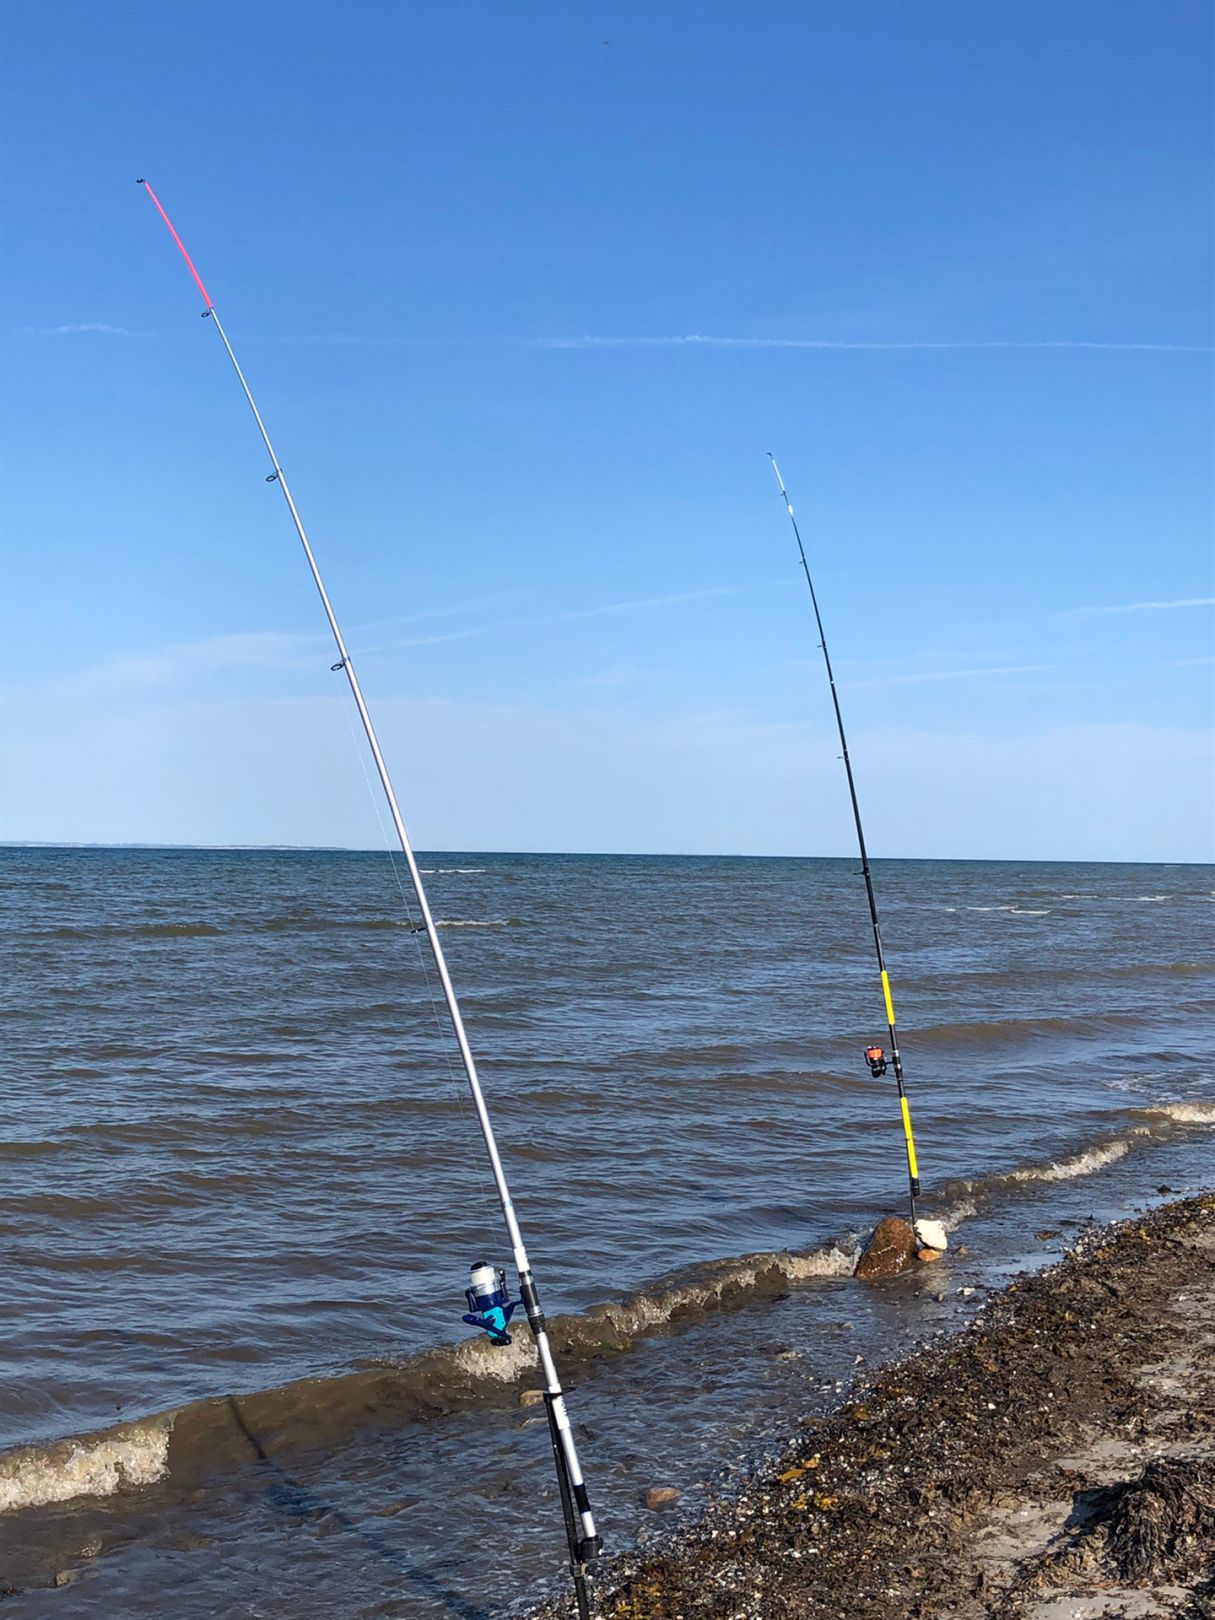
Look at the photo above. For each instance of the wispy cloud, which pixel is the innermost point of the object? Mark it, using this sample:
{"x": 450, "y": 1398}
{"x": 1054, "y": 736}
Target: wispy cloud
{"x": 615, "y": 675}
{"x": 1142, "y": 607}
{"x": 182, "y": 664}
{"x": 637, "y": 604}
{"x": 684, "y": 340}
{"x": 700, "y": 340}
{"x": 76, "y": 328}
{"x": 954, "y": 675}
{"x": 451, "y": 610}
{"x": 420, "y": 641}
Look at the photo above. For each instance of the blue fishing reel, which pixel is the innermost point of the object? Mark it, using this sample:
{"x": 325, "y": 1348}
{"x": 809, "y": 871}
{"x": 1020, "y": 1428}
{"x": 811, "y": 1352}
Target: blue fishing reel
{"x": 490, "y": 1306}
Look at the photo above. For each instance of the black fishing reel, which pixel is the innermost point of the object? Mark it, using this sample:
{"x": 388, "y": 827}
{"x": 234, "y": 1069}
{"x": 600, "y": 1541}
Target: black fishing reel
{"x": 875, "y": 1057}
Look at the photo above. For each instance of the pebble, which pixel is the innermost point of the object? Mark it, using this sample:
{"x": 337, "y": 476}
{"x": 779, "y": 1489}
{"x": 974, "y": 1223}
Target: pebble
{"x": 661, "y": 1496}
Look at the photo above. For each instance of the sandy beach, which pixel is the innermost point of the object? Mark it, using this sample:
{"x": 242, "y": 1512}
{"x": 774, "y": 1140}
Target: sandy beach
{"x": 1053, "y": 1461}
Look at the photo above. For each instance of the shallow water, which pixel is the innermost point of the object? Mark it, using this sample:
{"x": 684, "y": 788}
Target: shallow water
{"x": 235, "y": 1161}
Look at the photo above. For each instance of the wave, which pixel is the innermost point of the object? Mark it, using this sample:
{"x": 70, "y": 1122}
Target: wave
{"x": 99, "y": 1464}
{"x": 215, "y": 1435}
{"x": 1080, "y": 1164}
{"x": 1184, "y": 1113}
{"x": 1018, "y": 1029}
{"x": 489, "y": 922}
{"x": 1017, "y": 911}
{"x": 198, "y": 930}
{"x": 220, "y": 1434}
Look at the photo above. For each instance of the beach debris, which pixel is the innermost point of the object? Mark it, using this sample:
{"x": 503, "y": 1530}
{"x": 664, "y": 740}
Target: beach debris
{"x": 661, "y": 1496}
{"x": 797, "y": 1470}
{"x": 890, "y": 1250}
{"x": 1163, "y": 1523}
{"x": 1157, "y": 1527}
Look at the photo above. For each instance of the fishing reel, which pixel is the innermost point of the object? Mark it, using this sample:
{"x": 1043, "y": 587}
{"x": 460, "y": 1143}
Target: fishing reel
{"x": 490, "y": 1306}
{"x": 875, "y": 1057}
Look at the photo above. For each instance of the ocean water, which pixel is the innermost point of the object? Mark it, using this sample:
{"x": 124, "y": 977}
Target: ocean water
{"x": 241, "y": 1185}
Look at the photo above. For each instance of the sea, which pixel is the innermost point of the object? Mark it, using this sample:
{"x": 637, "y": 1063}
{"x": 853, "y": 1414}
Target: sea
{"x": 241, "y": 1185}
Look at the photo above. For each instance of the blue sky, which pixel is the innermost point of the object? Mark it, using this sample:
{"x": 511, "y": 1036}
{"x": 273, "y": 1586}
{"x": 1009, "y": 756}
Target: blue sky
{"x": 526, "y": 293}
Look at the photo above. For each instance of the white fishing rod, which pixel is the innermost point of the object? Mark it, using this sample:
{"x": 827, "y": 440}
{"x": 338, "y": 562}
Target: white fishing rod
{"x": 489, "y": 1304}
{"x": 874, "y": 1055}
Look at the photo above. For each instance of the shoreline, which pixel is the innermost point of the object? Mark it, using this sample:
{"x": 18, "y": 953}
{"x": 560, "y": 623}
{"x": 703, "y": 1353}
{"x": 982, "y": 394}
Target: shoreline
{"x": 998, "y": 1472}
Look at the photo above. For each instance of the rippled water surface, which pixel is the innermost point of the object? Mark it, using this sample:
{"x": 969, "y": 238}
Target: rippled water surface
{"x": 240, "y": 1185}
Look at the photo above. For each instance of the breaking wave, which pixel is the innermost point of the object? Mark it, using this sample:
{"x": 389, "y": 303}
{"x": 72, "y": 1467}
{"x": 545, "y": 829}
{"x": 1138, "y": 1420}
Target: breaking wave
{"x": 196, "y": 930}
{"x": 1185, "y": 1113}
{"x": 215, "y": 1435}
{"x": 1080, "y": 1164}
{"x": 488, "y": 922}
{"x": 99, "y": 1464}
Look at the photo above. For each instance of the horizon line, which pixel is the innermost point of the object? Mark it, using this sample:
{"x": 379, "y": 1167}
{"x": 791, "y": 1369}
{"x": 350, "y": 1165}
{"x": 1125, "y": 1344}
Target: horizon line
{"x": 586, "y": 854}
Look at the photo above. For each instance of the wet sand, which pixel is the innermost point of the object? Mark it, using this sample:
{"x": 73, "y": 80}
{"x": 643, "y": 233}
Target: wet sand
{"x": 1053, "y": 1461}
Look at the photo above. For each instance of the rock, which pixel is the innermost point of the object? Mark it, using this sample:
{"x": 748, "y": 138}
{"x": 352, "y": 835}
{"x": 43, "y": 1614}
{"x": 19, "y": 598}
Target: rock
{"x": 931, "y": 1234}
{"x": 928, "y": 1255}
{"x": 64, "y": 1578}
{"x": 661, "y": 1496}
{"x": 530, "y": 1397}
{"x": 890, "y": 1250}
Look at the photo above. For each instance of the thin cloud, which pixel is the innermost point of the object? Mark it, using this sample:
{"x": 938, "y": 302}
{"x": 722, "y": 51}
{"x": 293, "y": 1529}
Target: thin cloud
{"x": 641, "y": 602}
{"x": 699, "y": 340}
{"x": 74, "y": 329}
{"x": 600, "y": 610}
{"x": 420, "y": 641}
{"x": 185, "y": 663}
{"x": 473, "y": 605}
{"x": 615, "y": 675}
{"x": 955, "y": 674}
{"x": 1143, "y": 607}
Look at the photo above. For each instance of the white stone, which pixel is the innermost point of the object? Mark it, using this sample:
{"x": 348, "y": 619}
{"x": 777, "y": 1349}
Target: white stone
{"x": 931, "y": 1234}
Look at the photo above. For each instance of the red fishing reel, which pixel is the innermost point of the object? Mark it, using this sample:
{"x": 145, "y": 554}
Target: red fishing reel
{"x": 875, "y": 1057}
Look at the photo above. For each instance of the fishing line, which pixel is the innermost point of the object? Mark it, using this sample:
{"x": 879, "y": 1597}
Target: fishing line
{"x": 490, "y": 1306}
{"x": 874, "y": 1055}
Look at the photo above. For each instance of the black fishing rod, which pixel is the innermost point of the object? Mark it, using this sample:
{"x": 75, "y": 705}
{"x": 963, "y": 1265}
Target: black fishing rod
{"x": 874, "y": 1055}
{"x": 489, "y": 1304}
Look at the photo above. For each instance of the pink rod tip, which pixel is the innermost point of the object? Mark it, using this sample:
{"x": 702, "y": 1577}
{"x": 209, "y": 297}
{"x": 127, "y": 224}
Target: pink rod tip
{"x": 180, "y": 245}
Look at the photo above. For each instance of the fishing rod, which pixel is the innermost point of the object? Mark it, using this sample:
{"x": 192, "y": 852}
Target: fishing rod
{"x": 874, "y": 1055}
{"x": 490, "y": 1306}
